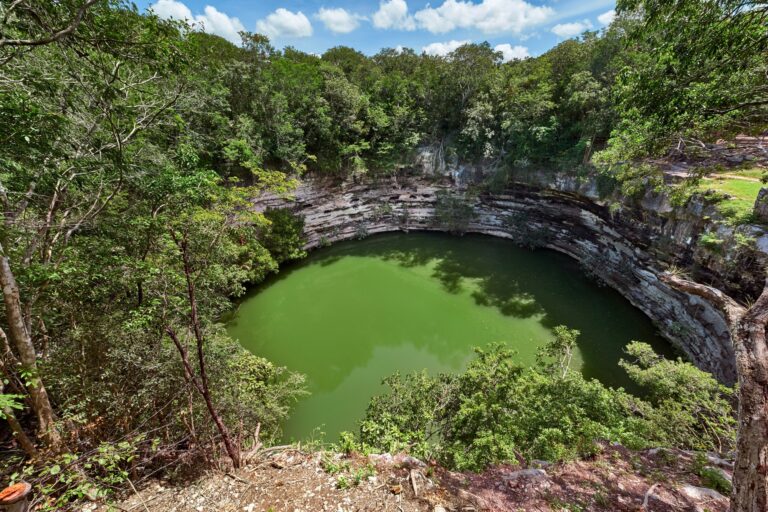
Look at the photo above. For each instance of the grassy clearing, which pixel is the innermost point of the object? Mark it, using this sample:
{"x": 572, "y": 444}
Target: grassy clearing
{"x": 739, "y": 204}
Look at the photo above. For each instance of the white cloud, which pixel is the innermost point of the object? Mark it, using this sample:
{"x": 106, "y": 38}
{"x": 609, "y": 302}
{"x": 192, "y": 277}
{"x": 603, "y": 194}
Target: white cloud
{"x": 172, "y": 9}
{"x": 216, "y": 22}
{"x": 212, "y": 20}
{"x": 607, "y": 17}
{"x": 489, "y": 16}
{"x": 284, "y": 23}
{"x": 339, "y": 21}
{"x": 566, "y": 30}
{"x": 512, "y": 52}
{"x": 393, "y": 14}
{"x": 443, "y": 49}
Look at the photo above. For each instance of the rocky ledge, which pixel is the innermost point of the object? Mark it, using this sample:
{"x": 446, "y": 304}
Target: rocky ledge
{"x": 615, "y": 480}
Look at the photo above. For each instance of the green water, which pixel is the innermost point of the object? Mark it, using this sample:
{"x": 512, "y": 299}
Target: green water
{"x": 351, "y": 314}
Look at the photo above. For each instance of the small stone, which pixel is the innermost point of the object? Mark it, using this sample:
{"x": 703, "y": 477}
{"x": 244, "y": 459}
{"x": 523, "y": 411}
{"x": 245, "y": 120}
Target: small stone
{"x": 439, "y": 508}
{"x": 715, "y": 460}
{"x": 410, "y": 462}
{"x": 700, "y": 493}
{"x": 531, "y": 474}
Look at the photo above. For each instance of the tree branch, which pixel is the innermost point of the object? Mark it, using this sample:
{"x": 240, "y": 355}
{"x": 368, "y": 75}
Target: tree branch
{"x": 732, "y": 310}
{"x": 56, "y": 35}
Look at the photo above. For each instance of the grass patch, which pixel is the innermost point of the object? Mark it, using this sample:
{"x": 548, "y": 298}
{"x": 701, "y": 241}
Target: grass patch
{"x": 755, "y": 173}
{"x": 740, "y": 203}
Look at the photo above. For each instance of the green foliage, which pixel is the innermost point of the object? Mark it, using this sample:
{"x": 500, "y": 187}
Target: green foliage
{"x": 333, "y": 467}
{"x": 255, "y": 391}
{"x": 347, "y": 443}
{"x": 555, "y": 357}
{"x": 454, "y": 211}
{"x": 496, "y": 411}
{"x": 343, "y": 483}
{"x": 10, "y": 402}
{"x": 711, "y": 241}
{"x": 711, "y": 476}
{"x": 694, "y": 69}
{"x": 689, "y": 407}
{"x": 284, "y": 236}
{"x": 96, "y": 474}
{"x": 736, "y": 197}
{"x": 133, "y": 137}
{"x": 635, "y": 180}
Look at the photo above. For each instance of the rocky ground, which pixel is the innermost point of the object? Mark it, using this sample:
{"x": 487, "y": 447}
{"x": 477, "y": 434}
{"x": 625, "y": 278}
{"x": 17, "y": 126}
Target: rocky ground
{"x": 744, "y": 150}
{"x": 292, "y": 481}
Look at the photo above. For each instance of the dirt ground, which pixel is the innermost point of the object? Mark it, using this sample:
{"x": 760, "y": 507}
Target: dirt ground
{"x": 617, "y": 480}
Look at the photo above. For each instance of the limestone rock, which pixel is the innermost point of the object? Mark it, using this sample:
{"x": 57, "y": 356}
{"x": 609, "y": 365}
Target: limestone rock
{"x": 701, "y": 493}
{"x": 716, "y": 460}
{"x": 761, "y": 205}
{"x": 558, "y": 213}
{"x": 529, "y": 474}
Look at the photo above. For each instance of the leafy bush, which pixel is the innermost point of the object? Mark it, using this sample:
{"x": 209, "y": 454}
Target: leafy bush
{"x": 62, "y": 480}
{"x": 284, "y": 237}
{"x": 689, "y": 407}
{"x": 711, "y": 241}
{"x": 497, "y": 411}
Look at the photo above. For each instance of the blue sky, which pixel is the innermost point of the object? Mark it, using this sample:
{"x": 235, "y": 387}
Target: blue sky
{"x": 518, "y": 28}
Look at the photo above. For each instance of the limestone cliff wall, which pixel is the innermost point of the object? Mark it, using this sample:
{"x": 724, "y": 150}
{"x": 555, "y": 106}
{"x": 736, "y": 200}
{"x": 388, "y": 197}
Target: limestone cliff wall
{"x": 624, "y": 249}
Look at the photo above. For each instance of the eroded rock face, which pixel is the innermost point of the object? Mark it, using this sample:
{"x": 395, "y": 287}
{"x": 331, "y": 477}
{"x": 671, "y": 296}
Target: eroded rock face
{"x": 622, "y": 248}
{"x": 761, "y": 205}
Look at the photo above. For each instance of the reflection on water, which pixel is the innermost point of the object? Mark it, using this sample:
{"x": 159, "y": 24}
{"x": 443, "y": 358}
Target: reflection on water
{"x": 351, "y": 314}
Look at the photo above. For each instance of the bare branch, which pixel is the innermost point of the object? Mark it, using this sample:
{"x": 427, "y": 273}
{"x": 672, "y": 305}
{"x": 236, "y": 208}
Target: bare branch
{"x": 59, "y": 34}
{"x": 732, "y": 310}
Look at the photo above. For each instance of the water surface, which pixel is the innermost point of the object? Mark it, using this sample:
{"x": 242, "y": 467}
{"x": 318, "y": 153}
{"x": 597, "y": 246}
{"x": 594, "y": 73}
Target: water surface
{"x": 351, "y": 314}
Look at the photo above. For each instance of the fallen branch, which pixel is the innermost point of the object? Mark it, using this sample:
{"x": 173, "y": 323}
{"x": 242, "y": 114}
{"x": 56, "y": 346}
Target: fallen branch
{"x": 732, "y": 310}
{"x": 412, "y": 476}
{"x": 647, "y": 496}
{"x": 144, "y": 504}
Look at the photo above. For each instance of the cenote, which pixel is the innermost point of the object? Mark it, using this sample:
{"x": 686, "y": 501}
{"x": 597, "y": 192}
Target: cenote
{"x": 351, "y": 314}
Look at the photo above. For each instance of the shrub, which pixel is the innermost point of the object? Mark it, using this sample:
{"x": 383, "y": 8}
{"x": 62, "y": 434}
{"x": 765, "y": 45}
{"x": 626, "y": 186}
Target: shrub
{"x": 284, "y": 237}
{"x": 711, "y": 241}
{"x": 689, "y": 407}
{"x": 496, "y": 410}
{"x": 454, "y": 211}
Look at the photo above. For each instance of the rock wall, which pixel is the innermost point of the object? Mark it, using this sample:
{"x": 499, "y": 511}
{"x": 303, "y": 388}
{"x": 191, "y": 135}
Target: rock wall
{"x": 624, "y": 249}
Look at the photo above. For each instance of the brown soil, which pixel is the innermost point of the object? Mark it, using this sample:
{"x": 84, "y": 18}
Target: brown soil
{"x": 290, "y": 481}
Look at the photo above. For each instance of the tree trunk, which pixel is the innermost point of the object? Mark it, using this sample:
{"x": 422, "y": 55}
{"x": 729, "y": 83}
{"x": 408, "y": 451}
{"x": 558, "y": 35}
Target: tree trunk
{"x": 201, "y": 383}
{"x": 190, "y": 376}
{"x": 750, "y": 475}
{"x": 750, "y": 345}
{"x": 22, "y": 341}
